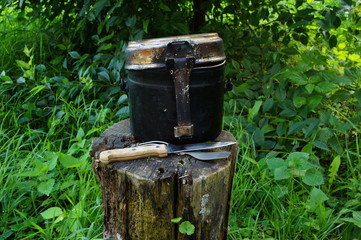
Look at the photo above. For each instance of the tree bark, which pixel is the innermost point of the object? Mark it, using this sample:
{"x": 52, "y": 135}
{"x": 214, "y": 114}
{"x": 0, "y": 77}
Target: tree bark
{"x": 140, "y": 197}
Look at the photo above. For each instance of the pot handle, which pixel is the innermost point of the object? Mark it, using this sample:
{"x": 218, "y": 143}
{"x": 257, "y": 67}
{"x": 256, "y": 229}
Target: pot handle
{"x": 180, "y": 61}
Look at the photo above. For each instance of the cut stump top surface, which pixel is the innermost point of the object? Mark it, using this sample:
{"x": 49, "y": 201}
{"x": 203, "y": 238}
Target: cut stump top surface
{"x": 154, "y": 168}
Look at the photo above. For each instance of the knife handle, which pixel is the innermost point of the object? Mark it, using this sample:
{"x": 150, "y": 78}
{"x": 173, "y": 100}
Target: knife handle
{"x": 123, "y": 154}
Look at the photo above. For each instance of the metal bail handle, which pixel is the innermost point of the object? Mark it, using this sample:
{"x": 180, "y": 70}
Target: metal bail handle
{"x": 180, "y": 60}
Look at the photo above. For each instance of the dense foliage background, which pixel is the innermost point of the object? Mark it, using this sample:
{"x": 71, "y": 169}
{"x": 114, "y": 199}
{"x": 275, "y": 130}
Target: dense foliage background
{"x": 295, "y": 108}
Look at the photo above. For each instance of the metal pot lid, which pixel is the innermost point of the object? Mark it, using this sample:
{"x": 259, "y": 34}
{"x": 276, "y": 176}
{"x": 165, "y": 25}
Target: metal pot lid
{"x": 151, "y": 53}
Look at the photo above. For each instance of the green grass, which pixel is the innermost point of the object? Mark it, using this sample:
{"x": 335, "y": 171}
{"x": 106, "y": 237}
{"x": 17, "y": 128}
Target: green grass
{"x": 35, "y": 175}
{"x": 265, "y": 208}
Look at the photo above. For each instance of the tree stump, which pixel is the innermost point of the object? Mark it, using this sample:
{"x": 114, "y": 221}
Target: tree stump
{"x": 140, "y": 197}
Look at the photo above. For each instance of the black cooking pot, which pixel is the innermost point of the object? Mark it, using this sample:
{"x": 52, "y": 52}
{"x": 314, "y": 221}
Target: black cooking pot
{"x": 176, "y": 87}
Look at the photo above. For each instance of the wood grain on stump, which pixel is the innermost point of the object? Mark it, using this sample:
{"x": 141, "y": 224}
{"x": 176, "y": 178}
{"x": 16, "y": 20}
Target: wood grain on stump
{"x": 140, "y": 197}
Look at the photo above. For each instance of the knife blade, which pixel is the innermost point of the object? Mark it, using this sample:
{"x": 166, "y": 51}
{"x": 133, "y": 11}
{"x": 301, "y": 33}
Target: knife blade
{"x": 162, "y": 149}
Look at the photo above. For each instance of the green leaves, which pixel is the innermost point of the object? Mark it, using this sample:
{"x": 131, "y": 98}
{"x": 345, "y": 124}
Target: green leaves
{"x": 23, "y": 64}
{"x": 46, "y": 187}
{"x": 99, "y": 6}
{"x": 335, "y": 165}
{"x": 295, "y": 165}
{"x": 69, "y": 161}
{"x": 130, "y": 22}
{"x": 176, "y": 220}
{"x": 313, "y": 177}
{"x": 295, "y": 76}
{"x": 74, "y": 55}
{"x": 314, "y": 101}
{"x": 356, "y": 218}
{"x": 316, "y": 200}
{"x": 254, "y": 110}
{"x": 185, "y": 227}
{"x": 52, "y": 212}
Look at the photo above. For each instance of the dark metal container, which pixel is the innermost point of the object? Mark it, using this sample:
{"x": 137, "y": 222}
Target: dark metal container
{"x": 176, "y": 87}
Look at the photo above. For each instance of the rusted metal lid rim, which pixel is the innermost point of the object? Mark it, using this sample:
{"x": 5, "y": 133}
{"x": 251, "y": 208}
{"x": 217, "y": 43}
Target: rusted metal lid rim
{"x": 150, "y": 53}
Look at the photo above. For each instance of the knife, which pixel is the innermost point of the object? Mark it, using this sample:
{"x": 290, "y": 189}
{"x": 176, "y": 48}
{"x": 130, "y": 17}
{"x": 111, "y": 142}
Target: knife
{"x": 162, "y": 149}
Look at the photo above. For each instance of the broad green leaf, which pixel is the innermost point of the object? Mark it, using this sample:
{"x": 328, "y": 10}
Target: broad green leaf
{"x": 304, "y": 39}
{"x": 258, "y": 137}
{"x": 299, "y": 101}
{"x": 296, "y": 77}
{"x": 310, "y": 87}
{"x": 23, "y": 64}
{"x": 105, "y": 47}
{"x": 290, "y": 51}
{"x": 130, "y": 22}
{"x": 267, "y": 105}
{"x": 74, "y": 55}
{"x": 281, "y": 129}
{"x": 99, "y": 5}
{"x": 236, "y": 65}
{"x": 298, "y": 155}
{"x": 335, "y": 165}
{"x": 317, "y": 198}
{"x": 242, "y": 88}
{"x": 335, "y": 144}
{"x": 40, "y": 165}
{"x": 337, "y": 22}
{"x": 103, "y": 39}
{"x": 62, "y": 47}
{"x": 186, "y": 228}
{"x": 356, "y": 218}
{"x": 104, "y": 76}
{"x": 282, "y": 173}
{"x": 281, "y": 93}
{"x": 46, "y": 187}
{"x": 145, "y": 25}
{"x": 267, "y": 128}
{"x": 254, "y": 110}
{"x": 325, "y": 116}
{"x": 164, "y": 7}
{"x": 332, "y": 41}
{"x": 254, "y": 50}
{"x": 80, "y": 133}
{"x": 314, "y": 101}
{"x": 307, "y": 148}
{"x": 6, "y": 78}
{"x": 40, "y": 67}
{"x": 51, "y": 213}
{"x": 341, "y": 95}
{"x": 69, "y": 161}
{"x": 298, "y": 164}
{"x": 298, "y": 126}
{"x": 325, "y": 87}
{"x": 288, "y": 113}
{"x": 357, "y": 95}
{"x": 176, "y": 220}
{"x": 313, "y": 177}
{"x": 123, "y": 112}
{"x": 324, "y": 25}
{"x": 274, "y": 163}
{"x": 122, "y": 99}
{"x": 281, "y": 191}
{"x": 341, "y": 79}
{"x": 321, "y": 145}
{"x": 312, "y": 128}
{"x": 27, "y": 51}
